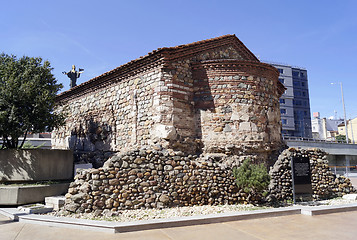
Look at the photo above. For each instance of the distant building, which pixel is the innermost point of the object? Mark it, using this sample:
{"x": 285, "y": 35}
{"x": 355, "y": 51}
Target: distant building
{"x": 352, "y": 130}
{"x": 325, "y": 128}
{"x": 294, "y": 103}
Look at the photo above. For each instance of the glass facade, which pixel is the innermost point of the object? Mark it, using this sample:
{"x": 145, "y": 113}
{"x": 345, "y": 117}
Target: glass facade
{"x": 301, "y": 104}
{"x": 295, "y": 103}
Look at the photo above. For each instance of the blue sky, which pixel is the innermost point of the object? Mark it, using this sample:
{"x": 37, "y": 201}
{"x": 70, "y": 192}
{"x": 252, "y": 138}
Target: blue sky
{"x": 98, "y": 36}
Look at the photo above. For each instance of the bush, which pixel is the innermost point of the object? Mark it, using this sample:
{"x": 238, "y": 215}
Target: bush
{"x": 252, "y": 178}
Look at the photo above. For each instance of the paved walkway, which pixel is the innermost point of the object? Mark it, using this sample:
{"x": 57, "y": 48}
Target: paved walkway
{"x": 329, "y": 226}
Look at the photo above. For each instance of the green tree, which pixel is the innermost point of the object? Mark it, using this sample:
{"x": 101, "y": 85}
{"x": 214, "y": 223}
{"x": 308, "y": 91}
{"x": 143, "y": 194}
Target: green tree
{"x": 342, "y": 138}
{"x": 252, "y": 178}
{"x": 27, "y": 98}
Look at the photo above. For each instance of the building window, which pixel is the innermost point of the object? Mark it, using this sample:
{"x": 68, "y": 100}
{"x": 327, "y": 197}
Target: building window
{"x": 302, "y": 84}
{"x": 284, "y": 121}
{"x": 282, "y": 101}
{"x": 295, "y": 74}
{"x": 283, "y": 111}
{"x": 305, "y": 113}
{"x": 281, "y": 80}
{"x": 296, "y": 83}
{"x": 297, "y": 102}
{"x": 280, "y": 70}
{"x": 297, "y": 93}
{"x": 304, "y": 94}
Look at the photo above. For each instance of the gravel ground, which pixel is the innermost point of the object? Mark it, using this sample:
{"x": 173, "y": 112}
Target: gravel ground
{"x": 335, "y": 201}
{"x": 146, "y": 214}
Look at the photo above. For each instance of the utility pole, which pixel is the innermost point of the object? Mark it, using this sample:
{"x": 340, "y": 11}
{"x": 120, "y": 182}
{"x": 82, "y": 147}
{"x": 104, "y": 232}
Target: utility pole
{"x": 344, "y": 113}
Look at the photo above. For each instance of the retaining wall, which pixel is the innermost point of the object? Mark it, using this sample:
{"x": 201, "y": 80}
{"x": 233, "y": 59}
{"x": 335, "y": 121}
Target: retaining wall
{"x": 157, "y": 179}
{"x": 35, "y": 165}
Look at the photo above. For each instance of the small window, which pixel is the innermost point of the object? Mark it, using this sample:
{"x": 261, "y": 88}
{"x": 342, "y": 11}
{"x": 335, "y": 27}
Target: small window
{"x": 283, "y": 111}
{"x": 295, "y": 73}
{"x": 302, "y": 84}
{"x": 296, "y": 83}
{"x": 282, "y": 101}
{"x": 280, "y": 70}
{"x": 284, "y": 121}
{"x": 304, "y": 94}
{"x": 305, "y": 113}
{"x": 297, "y": 93}
{"x": 297, "y": 102}
{"x": 281, "y": 80}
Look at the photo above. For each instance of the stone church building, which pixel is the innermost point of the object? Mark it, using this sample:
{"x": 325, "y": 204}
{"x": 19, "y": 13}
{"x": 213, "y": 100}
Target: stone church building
{"x": 211, "y": 96}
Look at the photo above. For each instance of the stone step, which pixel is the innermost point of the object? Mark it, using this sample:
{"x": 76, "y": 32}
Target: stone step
{"x": 56, "y": 202}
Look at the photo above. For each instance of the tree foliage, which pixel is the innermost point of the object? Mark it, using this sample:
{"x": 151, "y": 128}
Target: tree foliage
{"x": 251, "y": 177}
{"x": 27, "y": 98}
{"x": 342, "y": 138}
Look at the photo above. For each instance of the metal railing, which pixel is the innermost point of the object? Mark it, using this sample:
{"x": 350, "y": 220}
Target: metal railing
{"x": 281, "y": 64}
{"x": 349, "y": 171}
{"x": 312, "y": 140}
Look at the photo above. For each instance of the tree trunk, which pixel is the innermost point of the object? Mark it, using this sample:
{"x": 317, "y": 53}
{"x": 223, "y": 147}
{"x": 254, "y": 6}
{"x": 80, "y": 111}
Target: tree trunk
{"x": 23, "y": 141}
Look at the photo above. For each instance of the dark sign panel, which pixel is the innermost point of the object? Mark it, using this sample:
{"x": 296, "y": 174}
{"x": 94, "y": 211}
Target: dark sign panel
{"x": 301, "y": 175}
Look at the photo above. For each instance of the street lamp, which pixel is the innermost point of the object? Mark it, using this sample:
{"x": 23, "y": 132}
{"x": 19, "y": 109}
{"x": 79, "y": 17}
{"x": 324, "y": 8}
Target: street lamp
{"x": 344, "y": 112}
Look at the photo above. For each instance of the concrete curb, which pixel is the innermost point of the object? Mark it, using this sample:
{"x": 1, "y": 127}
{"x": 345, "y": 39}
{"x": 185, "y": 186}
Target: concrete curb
{"x": 12, "y": 213}
{"x": 115, "y": 227}
{"x": 83, "y": 224}
{"x": 312, "y": 211}
{"x": 203, "y": 219}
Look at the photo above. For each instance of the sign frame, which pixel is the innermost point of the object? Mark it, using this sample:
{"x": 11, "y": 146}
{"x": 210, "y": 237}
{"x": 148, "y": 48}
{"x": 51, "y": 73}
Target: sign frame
{"x": 301, "y": 176}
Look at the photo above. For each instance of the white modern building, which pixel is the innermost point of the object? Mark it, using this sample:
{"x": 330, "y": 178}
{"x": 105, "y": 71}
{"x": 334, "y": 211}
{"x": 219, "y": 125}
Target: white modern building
{"x": 324, "y": 128}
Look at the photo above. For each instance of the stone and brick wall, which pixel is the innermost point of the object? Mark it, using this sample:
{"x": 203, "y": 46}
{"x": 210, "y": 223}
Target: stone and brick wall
{"x": 155, "y": 179}
{"x": 152, "y": 179}
{"x": 237, "y": 106}
{"x": 210, "y": 96}
{"x": 112, "y": 117}
{"x": 325, "y": 184}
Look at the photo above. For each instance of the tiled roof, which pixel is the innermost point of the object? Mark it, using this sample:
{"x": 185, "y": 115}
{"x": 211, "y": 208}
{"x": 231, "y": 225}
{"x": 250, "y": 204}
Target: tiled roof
{"x": 160, "y": 57}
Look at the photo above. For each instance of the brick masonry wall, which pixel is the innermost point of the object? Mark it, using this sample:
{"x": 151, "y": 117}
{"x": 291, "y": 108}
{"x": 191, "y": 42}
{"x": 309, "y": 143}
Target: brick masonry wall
{"x": 111, "y": 118}
{"x": 237, "y": 107}
{"x": 163, "y": 106}
{"x": 179, "y": 90}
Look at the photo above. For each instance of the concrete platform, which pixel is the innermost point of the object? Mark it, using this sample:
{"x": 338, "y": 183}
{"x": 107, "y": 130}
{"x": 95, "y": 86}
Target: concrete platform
{"x": 25, "y": 194}
{"x": 35, "y": 208}
{"x": 56, "y": 202}
{"x": 311, "y": 211}
{"x": 11, "y": 213}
